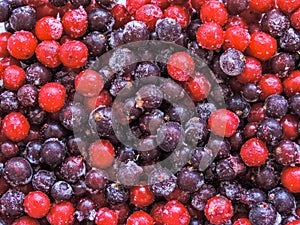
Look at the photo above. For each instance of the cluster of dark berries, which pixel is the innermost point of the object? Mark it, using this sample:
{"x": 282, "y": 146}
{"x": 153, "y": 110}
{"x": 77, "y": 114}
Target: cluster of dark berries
{"x": 205, "y": 131}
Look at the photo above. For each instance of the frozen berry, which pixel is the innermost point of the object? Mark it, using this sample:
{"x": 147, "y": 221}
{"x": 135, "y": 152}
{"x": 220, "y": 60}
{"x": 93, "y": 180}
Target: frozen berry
{"x": 288, "y": 6}
{"x": 236, "y": 37}
{"x": 75, "y": 22}
{"x": 290, "y": 40}
{"x": 254, "y": 152}
{"x": 178, "y": 13}
{"x": 168, "y": 29}
{"x": 37, "y": 204}
{"x": 23, "y": 18}
{"x": 270, "y": 84}
{"x": 295, "y": 19}
{"x": 181, "y": 66}
{"x": 149, "y": 14}
{"x": 290, "y": 178}
{"x": 252, "y": 71}
{"x": 262, "y": 214}
{"x": 100, "y": 20}
{"x": 232, "y": 62}
{"x": 25, "y": 220}
{"x": 106, "y": 216}
{"x": 291, "y": 83}
{"x": 210, "y": 36}
{"x": 48, "y": 28}
{"x": 89, "y": 83}
{"x": 198, "y": 87}
{"x": 276, "y": 106}
{"x": 61, "y": 213}
{"x": 13, "y": 77}
{"x": 11, "y": 203}
{"x": 135, "y": 31}
{"x": 47, "y": 53}
{"x": 141, "y": 218}
{"x": 213, "y": 11}
{"x": 3, "y": 44}
{"x": 236, "y": 7}
{"x": 175, "y": 213}
{"x": 261, "y": 6}
{"x": 141, "y": 196}
{"x": 101, "y": 153}
{"x": 122, "y": 16}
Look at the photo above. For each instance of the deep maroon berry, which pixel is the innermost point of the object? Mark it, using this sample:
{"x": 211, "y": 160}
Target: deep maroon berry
{"x": 61, "y": 191}
{"x": 286, "y": 152}
{"x": 262, "y": 214}
{"x": 33, "y": 151}
{"x": 170, "y": 136}
{"x": 37, "y": 74}
{"x": 266, "y": 177}
{"x": 53, "y": 152}
{"x": 23, "y": 18}
{"x": 43, "y": 181}
{"x": 95, "y": 180}
{"x": 72, "y": 116}
{"x": 5, "y": 10}
{"x": 219, "y": 146}
{"x": 282, "y": 199}
{"x": 85, "y": 209}
{"x": 101, "y": 121}
{"x": 11, "y": 203}
{"x": 196, "y": 130}
{"x": 9, "y": 149}
{"x": 8, "y": 102}
{"x": 235, "y": 7}
{"x": 238, "y": 105}
{"x": 199, "y": 198}
{"x": 135, "y": 31}
{"x": 53, "y": 130}
{"x": 168, "y": 29}
{"x": 290, "y": 40}
{"x": 58, "y": 3}
{"x": 189, "y": 180}
{"x": 251, "y": 92}
{"x": 282, "y": 64}
{"x": 96, "y": 42}
{"x": 28, "y": 95}
{"x": 72, "y": 169}
{"x": 116, "y": 193}
{"x": 276, "y": 106}
{"x": 162, "y": 182}
{"x": 275, "y": 23}
{"x": 270, "y": 131}
{"x": 253, "y": 196}
{"x": 78, "y": 3}
{"x": 149, "y": 97}
{"x": 100, "y": 20}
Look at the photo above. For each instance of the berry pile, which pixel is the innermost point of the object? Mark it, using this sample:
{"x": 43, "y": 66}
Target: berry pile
{"x": 67, "y": 126}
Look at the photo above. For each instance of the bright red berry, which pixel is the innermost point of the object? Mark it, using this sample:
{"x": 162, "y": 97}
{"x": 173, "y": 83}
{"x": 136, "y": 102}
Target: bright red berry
{"x": 236, "y": 21}
{"x": 236, "y": 37}
{"x": 133, "y": 5}
{"x": 75, "y": 22}
{"x": 52, "y": 97}
{"x": 288, "y": 6}
{"x": 161, "y": 3}
{"x": 103, "y": 99}
{"x": 175, "y": 213}
{"x": 140, "y": 218}
{"x": 48, "y": 28}
{"x": 262, "y": 46}
{"x": 252, "y": 72}
{"x": 149, "y": 14}
{"x": 73, "y": 54}
{"x": 242, "y": 221}
{"x": 178, "y": 13}
{"x": 223, "y": 122}
{"x": 61, "y": 214}
{"x": 15, "y": 126}
{"x": 101, "y": 154}
{"x": 210, "y": 36}
{"x": 47, "y": 53}
{"x": 25, "y": 220}
{"x": 21, "y": 44}
{"x": 290, "y": 178}
{"x": 89, "y": 83}
{"x": 261, "y": 6}
{"x": 292, "y": 83}
{"x": 295, "y": 222}
{"x": 218, "y": 210}
{"x": 13, "y": 77}
{"x": 181, "y": 66}
{"x": 141, "y": 196}
{"x": 3, "y": 44}
{"x": 269, "y": 85}
{"x": 120, "y": 14}
{"x": 214, "y": 11}
{"x": 37, "y": 204}
{"x": 295, "y": 19}
{"x": 198, "y": 87}
{"x": 197, "y": 4}
{"x": 106, "y": 216}
{"x": 290, "y": 127}
{"x": 254, "y": 152}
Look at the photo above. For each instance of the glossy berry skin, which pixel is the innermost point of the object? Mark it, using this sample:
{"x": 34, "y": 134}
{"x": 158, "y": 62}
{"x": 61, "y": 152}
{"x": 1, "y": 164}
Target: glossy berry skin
{"x": 15, "y": 126}
{"x": 21, "y": 44}
{"x": 261, "y": 6}
{"x": 141, "y": 218}
{"x": 242, "y": 221}
{"x": 25, "y": 220}
{"x": 236, "y": 37}
{"x": 37, "y": 204}
{"x": 103, "y": 99}
{"x": 178, "y": 13}
{"x": 292, "y": 83}
{"x": 47, "y": 53}
{"x": 149, "y": 14}
{"x": 121, "y": 15}
{"x": 141, "y": 196}
{"x": 223, "y": 122}
{"x": 254, "y": 152}
{"x": 106, "y": 216}
{"x": 175, "y": 213}
{"x": 252, "y": 71}
{"x": 210, "y": 36}
{"x": 73, "y": 54}
{"x": 218, "y": 210}
{"x": 133, "y": 5}
{"x": 75, "y": 22}
{"x": 288, "y": 6}
{"x": 13, "y": 77}
{"x": 290, "y": 178}
{"x": 181, "y": 66}
{"x": 213, "y": 11}
{"x": 262, "y": 46}
{"x": 198, "y": 87}
{"x": 290, "y": 127}
{"x": 295, "y": 19}
{"x": 48, "y": 28}
{"x": 52, "y": 97}
{"x": 3, "y": 44}
{"x": 270, "y": 84}
{"x": 101, "y": 154}
{"x": 89, "y": 83}
{"x": 61, "y": 213}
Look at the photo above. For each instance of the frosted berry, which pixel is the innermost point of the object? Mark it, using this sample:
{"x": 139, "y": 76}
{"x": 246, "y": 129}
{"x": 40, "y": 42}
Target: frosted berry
{"x": 89, "y": 83}
{"x": 149, "y": 14}
{"x": 75, "y": 22}
{"x": 106, "y": 216}
{"x": 61, "y": 213}
{"x": 175, "y": 213}
{"x": 210, "y": 36}
{"x": 37, "y": 204}
{"x": 213, "y": 11}
{"x": 181, "y": 66}
{"x": 48, "y": 28}
{"x": 13, "y": 77}
{"x": 47, "y": 53}
{"x": 101, "y": 154}
{"x": 290, "y": 178}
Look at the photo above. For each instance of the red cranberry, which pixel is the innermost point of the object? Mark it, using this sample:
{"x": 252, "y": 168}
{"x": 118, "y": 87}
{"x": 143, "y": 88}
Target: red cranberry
{"x": 213, "y": 11}
{"x": 269, "y": 85}
{"x": 252, "y": 72}
{"x": 242, "y": 221}
{"x": 103, "y": 99}
{"x": 175, "y": 213}
{"x": 236, "y": 37}
{"x": 13, "y": 77}
{"x": 52, "y": 97}
{"x": 47, "y": 53}
{"x": 210, "y": 36}
{"x": 236, "y": 21}
{"x": 181, "y": 66}
{"x": 75, "y": 22}
{"x": 295, "y": 19}
{"x": 3, "y": 44}
{"x": 48, "y": 28}
{"x": 290, "y": 178}
{"x": 25, "y": 220}
{"x": 89, "y": 83}
{"x": 141, "y": 218}
{"x": 122, "y": 16}
{"x": 37, "y": 204}
{"x": 197, "y": 4}
{"x": 295, "y": 222}
{"x": 261, "y": 6}
{"x": 106, "y": 216}
{"x": 61, "y": 213}
{"x": 288, "y": 6}
{"x": 156, "y": 212}
{"x": 15, "y": 126}
{"x": 149, "y": 14}
{"x": 133, "y": 5}
{"x": 218, "y": 210}
{"x": 254, "y": 152}
{"x": 178, "y": 13}
{"x": 290, "y": 127}
{"x": 141, "y": 196}
{"x": 101, "y": 154}
{"x": 292, "y": 83}
{"x": 223, "y": 122}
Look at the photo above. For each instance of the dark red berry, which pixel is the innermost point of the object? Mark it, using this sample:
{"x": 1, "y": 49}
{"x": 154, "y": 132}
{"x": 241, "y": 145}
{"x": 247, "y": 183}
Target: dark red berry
{"x": 15, "y": 126}
{"x": 89, "y": 83}
{"x": 292, "y": 83}
{"x": 3, "y": 44}
{"x": 25, "y": 220}
{"x": 290, "y": 127}
{"x": 198, "y": 87}
{"x": 101, "y": 154}
{"x": 48, "y": 28}
{"x": 13, "y": 77}
{"x": 75, "y": 22}
{"x": 47, "y": 53}
{"x": 252, "y": 72}
{"x": 210, "y": 36}
{"x": 242, "y": 221}
{"x": 133, "y": 5}
{"x": 254, "y": 152}
{"x": 181, "y": 66}
{"x": 178, "y": 13}
{"x": 175, "y": 213}
{"x": 197, "y": 4}
{"x": 106, "y": 216}
{"x": 61, "y": 213}
{"x": 261, "y": 6}
{"x": 122, "y": 16}
{"x": 213, "y": 11}
{"x": 37, "y": 204}
{"x": 270, "y": 84}
{"x": 149, "y": 14}
{"x": 295, "y": 19}
{"x": 290, "y": 178}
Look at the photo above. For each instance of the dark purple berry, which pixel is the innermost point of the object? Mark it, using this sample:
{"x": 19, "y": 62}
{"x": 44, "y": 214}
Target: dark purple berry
{"x": 100, "y": 20}
{"x": 96, "y": 42}
{"x": 61, "y": 191}
{"x": 33, "y": 152}
{"x": 23, "y": 18}
{"x": 116, "y": 193}
{"x": 53, "y": 152}
{"x": 135, "y": 31}
{"x": 11, "y": 203}
{"x": 28, "y": 95}
{"x": 8, "y": 102}
{"x": 232, "y": 62}
{"x": 168, "y": 29}
{"x": 189, "y": 180}
{"x": 282, "y": 199}
{"x": 290, "y": 40}
{"x": 276, "y": 106}
{"x": 162, "y": 182}
{"x": 43, "y": 180}
{"x": 263, "y": 214}
{"x": 270, "y": 131}
{"x": 199, "y": 198}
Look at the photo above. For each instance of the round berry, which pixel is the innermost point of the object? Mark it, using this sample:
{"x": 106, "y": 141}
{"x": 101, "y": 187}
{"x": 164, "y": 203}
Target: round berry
{"x": 213, "y": 11}
{"x": 52, "y": 97}
{"x": 198, "y": 87}
{"x": 270, "y": 84}
{"x": 37, "y": 204}
{"x": 181, "y": 66}
{"x": 276, "y": 106}
{"x": 236, "y": 37}
{"x": 261, "y": 6}
{"x": 149, "y": 14}
{"x": 61, "y": 213}
{"x": 262, "y": 46}
{"x": 3, "y": 44}
{"x": 73, "y": 54}
{"x": 13, "y": 77}
{"x": 223, "y": 122}
{"x": 252, "y": 71}
{"x": 106, "y": 216}
{"x": 89, "y": 83}
{"x": 232, "y": 62}
{"x": 122, "y": 16}
{"x": 48, "y": 28}
{"x": 178, "y": 13}
{"x": 292, "y": 83}
{"x": 141, "y": 218}
{"x": 21, "y": 14}
{"x": 135, "y": 31}
{"x": 236, "y": 7}
{"x": 288, "y": 6}
{"x": 290, "y": 127}
{"x": 294, "y": 222}
{"x": 133, "y": 5}
{"x": 175, "y": 213}
{"x": 167, "y": 29}
{"x": 47, "y": 53}
{"x": 290, "y": 178}
{"x": 295, "y": 19}
{"x": 218, "y": 210}
{"x": 21, "y": 44}
{"x": 75, "y": 22}
{"x": 242, "y": 221}
{"x": 15, "y": 126}
{"x": 141, "y": 196}
{"x": 263, "y": 213}
{"x": 210, "y": 36}
{"x": 254, "y": 152}
{"x": 101, "y": 154}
